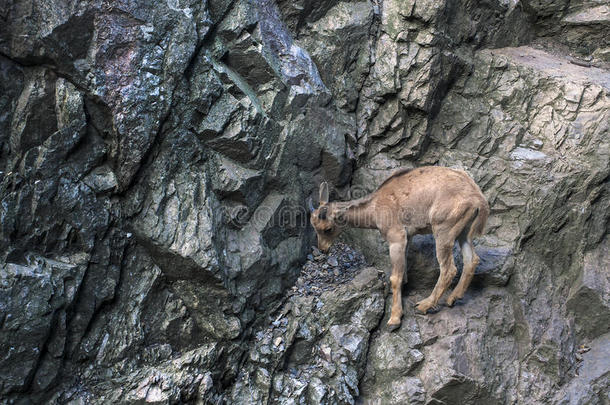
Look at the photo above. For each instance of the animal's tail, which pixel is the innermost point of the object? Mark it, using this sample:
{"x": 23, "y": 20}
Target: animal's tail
{"x": 477, "y": 228}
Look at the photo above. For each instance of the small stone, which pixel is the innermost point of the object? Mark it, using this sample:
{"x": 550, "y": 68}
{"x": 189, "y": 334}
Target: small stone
{"x": 326, "y": 352}
{"x": 333, "y": 261}
{"x": 278, "y": 341}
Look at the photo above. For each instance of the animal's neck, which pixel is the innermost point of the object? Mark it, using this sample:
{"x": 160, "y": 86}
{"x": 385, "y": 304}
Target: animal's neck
{"x": 360, "y": 213}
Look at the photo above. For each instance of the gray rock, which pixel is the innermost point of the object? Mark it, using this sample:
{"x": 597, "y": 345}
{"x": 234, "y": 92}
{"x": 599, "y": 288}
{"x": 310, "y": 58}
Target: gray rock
{"x": 322, "y": 348}
{"x": 35, "y": 300}
{"x": 589, "y": 298}
{"x": 155, "y": 160}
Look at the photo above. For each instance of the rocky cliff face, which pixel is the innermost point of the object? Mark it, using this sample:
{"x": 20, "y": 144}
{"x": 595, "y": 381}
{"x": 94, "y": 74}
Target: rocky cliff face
{"x": 155, "y": 160}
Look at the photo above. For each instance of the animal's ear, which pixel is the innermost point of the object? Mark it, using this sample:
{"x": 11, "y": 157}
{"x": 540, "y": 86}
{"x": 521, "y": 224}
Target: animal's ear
{"x": 324, "y": 193}
{"x": 310, "y": 205}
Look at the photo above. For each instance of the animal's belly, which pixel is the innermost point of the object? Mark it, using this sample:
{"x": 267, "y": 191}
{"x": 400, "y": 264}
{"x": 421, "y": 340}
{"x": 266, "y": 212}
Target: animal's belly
{"x": 418, "y": 230}
{"x": 415, "y": 221}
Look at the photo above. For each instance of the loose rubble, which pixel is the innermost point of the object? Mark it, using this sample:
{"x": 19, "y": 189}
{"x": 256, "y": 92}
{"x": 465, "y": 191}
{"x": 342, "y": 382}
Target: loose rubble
{"x": 325, "y": 272}
{"x": 314, "y": 346}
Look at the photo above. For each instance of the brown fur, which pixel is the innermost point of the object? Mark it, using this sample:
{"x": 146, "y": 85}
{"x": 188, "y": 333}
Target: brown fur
{"x": 431, "y": 199}
{"x": 396, "y": 173}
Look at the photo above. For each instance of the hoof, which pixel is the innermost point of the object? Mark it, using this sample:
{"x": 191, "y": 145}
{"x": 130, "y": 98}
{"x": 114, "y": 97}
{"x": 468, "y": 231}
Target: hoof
{"x": 452, "y": 300}
{"x": 393, "y": 326}
{"x": 424, "y": 306}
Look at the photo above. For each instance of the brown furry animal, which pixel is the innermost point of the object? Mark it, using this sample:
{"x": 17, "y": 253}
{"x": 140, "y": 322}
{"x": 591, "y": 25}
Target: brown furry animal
{"x": 432, "y": 199}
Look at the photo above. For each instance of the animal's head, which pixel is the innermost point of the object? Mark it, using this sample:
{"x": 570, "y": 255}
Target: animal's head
{"x": 325, "y": 220}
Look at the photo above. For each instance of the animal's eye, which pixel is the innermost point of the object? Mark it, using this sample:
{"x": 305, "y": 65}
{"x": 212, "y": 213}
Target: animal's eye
{"x": 329, "y": 230}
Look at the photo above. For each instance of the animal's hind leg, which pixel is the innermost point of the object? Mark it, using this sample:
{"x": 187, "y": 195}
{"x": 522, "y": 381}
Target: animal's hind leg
{"x": 445, "y": 235}
{"x": 444, "y": 254}
{"x": 471, "y": 260}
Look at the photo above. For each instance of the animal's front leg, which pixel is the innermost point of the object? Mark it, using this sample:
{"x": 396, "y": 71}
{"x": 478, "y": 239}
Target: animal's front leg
{"x": 398, "y": 243}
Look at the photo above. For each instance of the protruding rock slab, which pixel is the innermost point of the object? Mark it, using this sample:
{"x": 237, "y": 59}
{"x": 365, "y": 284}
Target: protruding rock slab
{"x": 589, "y": 299}
{"x": 34, "y": 302}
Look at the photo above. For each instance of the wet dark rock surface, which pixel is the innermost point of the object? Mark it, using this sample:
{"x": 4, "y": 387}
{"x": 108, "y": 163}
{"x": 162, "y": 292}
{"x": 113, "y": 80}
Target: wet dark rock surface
{"x": 155, "y": 160}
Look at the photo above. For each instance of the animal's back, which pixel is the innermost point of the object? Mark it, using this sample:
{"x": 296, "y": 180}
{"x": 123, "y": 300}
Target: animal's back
{"x": 427, "y": 192}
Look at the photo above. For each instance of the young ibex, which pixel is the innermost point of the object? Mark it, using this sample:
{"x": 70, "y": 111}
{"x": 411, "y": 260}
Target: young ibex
{"x": 432, "y": 199}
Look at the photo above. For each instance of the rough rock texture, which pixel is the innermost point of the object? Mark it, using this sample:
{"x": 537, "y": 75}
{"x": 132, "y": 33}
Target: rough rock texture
{"x": 315, "y": 349}
{"x": 155, "y": 159}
